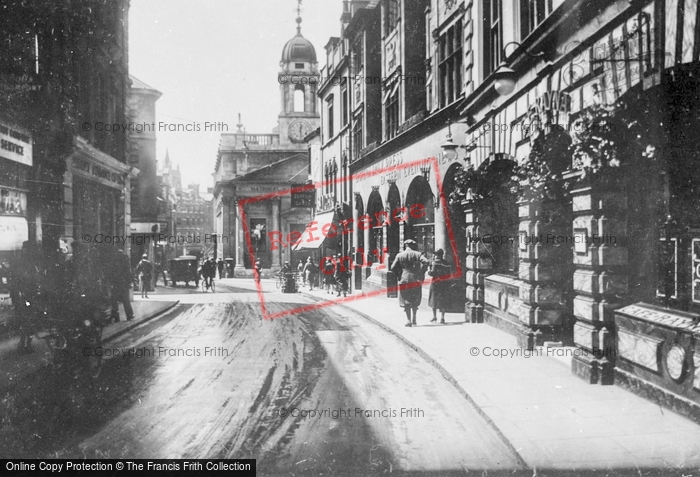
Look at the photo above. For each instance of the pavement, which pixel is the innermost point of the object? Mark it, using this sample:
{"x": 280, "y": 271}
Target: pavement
{"x": 553, "y": 419}
{"x": 14, "y": 366}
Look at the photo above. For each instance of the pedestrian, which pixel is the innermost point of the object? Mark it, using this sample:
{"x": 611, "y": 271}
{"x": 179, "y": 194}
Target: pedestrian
{"x": 310, "y": 273}
{"x": 119, "y": 276}
{"x": 341, "y": 276}
{"x": 257, "y": 270}
{"x": 25, "y": 293}
{"x": 208, "y": 271}
{"x": 439, "y": 286}
{"x": 220, "y": 268}
{"x": 144, "y": 270}
{"x": 300, "y": 271}
{"x": 328, "y": 272}
{"x": 410, "y": 265}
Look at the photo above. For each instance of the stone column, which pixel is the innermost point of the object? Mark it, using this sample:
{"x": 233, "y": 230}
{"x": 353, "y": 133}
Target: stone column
{"x": 600, "y": 277}
{"x": 276, "y": 226}
{"x": 441, "y": 236}
{"x": 478, "y": 264}
{"x": 545, "y": 269}
{"x": 239, "y": 269}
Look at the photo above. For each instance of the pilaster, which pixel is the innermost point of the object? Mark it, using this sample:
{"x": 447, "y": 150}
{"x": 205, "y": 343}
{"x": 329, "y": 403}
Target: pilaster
{"x": 600, "y": 276}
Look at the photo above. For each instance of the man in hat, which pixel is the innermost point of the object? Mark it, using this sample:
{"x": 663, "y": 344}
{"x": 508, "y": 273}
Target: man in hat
{"x": 410, "y": 265}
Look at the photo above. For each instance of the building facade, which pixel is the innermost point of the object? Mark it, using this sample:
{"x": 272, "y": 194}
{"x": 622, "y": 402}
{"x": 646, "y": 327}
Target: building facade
{"x": 79, "y": 178}
{"x": 570, "y": 203}
{"x": 145, "y": 203}
{"x": 255, "y": 172}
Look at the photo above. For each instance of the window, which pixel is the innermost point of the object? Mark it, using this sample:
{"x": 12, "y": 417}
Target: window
{"x": 392, "y": 115}
{"x": 299, "y": 99}
{"x": 450, "y": 56}
{"x": 494, "y": 35}
{"x": 532, "y": 13}
{"x": 391, "y": 15}
{"x": 299, "y": 66}
{"x": 668, "y": 269}
{"x": 331, "y": 131}
{"x": 19, "y": 53}
{"x": 344, "y": 103}
{"x": 357, "y": 137}
{"x": 356, "y": 57}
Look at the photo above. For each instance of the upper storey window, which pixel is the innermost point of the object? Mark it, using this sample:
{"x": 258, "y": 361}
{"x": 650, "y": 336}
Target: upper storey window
{"x": 391, "y": 15}
{"x": 493, "y": 31}
{"x": 532, "y": 13}
{"x": 450, "y": 56}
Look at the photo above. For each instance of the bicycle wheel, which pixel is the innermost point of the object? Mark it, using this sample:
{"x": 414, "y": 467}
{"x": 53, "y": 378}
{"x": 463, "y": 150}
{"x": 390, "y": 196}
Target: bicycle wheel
{"x": 203, "y": 284}
{"x": 280, "y": 282}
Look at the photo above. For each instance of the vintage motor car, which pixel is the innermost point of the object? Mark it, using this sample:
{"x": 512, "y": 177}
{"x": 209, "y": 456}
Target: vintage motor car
{"x": 184, "y": 269}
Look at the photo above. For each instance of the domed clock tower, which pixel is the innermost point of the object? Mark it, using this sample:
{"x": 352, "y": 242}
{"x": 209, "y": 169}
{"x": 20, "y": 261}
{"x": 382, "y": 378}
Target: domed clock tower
{"x": 298, "y": 80}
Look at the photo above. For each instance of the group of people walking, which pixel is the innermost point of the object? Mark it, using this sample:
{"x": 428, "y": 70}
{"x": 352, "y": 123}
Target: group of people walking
{"x": 410, "y": 266}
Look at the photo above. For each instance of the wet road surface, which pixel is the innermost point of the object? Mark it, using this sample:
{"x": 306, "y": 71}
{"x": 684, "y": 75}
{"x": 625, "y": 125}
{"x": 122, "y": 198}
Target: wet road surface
{"x": 321, "y": 392}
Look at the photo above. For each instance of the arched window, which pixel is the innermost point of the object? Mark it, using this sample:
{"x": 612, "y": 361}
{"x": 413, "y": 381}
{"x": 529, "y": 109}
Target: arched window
{"x": 299, "y": 99}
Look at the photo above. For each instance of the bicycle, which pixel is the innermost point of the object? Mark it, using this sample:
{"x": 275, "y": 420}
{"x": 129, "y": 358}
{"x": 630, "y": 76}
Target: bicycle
{"x": 280, "y": 281}
{"x": 208, "y": 284}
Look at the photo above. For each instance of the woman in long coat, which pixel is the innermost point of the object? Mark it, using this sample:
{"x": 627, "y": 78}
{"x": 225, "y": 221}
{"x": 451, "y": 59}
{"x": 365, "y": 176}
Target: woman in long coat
{"x": 439, "y": 289}
{"x": 411, "y": 264}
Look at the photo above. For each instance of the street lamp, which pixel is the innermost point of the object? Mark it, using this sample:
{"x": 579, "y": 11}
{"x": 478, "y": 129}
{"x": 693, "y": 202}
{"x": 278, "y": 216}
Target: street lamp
{"x": 505, "y": 76}
{"x": 449, "y": 148}
{"x": 425, "y": 170}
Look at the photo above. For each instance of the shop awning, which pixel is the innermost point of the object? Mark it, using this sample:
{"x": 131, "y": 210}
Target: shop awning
{"x": 313, "y": 237}
{"x": 14, "y": 231}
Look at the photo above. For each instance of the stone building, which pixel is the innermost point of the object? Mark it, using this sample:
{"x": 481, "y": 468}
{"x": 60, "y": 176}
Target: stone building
{"x": 257, "y": 171}
{"x": 62, "y": 104}
{"x": 570, "y": 205}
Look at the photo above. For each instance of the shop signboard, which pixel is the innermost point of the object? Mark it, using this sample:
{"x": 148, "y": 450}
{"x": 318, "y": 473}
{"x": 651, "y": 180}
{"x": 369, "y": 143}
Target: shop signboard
{"x": 14, "y": 231}
{"x": 15, "y": 144}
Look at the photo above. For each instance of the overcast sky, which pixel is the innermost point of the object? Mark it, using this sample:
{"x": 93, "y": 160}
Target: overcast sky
{"x": 213, "y": 59}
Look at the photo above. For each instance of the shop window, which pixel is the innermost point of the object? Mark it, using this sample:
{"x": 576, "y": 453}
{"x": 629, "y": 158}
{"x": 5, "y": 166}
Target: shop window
{"x": 450, "y": 57}
{"x": 493, "y": 31}
{"x": 532, "y": 13}
{"x": 391, "y": 15}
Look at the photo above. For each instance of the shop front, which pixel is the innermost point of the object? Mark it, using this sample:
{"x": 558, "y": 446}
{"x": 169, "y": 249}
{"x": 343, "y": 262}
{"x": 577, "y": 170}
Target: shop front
{"x": 405, "y": 194}
{"x": 15, "y": 168}
{"x": 96, "y": 204}
{"x": 603, "y": 141}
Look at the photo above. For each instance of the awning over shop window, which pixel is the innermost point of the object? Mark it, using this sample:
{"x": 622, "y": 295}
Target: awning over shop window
{"x": 14, "y": 231}
{"x": 313, "y": 236}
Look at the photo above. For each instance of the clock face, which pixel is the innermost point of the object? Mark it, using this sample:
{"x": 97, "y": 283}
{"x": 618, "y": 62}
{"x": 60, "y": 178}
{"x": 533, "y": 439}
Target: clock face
{"x": 298, "y": 130}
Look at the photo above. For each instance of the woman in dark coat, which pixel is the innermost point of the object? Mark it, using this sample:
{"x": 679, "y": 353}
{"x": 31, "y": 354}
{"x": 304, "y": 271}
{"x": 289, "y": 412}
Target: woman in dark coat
{"x": 438, "y": 289}
{"x": 411, "y": 264}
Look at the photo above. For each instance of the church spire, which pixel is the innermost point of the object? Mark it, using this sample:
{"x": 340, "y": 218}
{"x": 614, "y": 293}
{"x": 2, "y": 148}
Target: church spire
{"x": 167, "y": 158}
